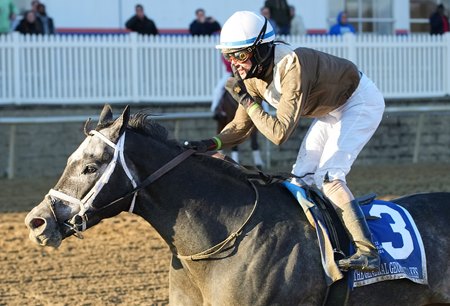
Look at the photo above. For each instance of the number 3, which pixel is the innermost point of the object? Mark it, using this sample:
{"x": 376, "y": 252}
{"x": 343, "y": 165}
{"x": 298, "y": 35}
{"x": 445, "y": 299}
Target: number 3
{"x": 397, "y": 227}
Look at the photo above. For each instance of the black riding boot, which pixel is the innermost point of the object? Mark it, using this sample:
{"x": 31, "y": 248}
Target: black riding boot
{"x": 366, "y": 257}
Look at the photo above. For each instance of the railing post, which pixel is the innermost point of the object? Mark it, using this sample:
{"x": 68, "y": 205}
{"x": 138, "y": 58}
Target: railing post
{"x": 134, "y": 67}
{"x": 418, "y": 138}
{"x": 350, "y": 42}
{"x": 16, "y": 38}
{"x": 12, "y": 151}
{"x": 447, "y": 63}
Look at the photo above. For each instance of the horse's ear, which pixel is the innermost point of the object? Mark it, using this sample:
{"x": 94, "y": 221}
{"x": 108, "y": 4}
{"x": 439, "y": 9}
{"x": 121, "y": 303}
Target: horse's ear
{"x": 106, "y": 115}
{"x": 120, "y": 124}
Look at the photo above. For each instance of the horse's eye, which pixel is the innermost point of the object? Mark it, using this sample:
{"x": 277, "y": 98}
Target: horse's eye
{"x": 89, "y": 169}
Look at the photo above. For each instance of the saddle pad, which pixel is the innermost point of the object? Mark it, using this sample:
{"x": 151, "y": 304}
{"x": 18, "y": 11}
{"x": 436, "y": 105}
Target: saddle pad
{"x": 394, "y": 233}
{"x": 312, "y": 212}
{"x": 399, "y": 244}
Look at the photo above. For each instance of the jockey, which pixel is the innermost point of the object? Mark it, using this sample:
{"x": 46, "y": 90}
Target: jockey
{"x": 346, "y": 106}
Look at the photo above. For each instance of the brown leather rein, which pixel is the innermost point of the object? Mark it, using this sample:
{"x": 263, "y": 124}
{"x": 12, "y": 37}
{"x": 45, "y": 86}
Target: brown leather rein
{"x": 74, "y": 226}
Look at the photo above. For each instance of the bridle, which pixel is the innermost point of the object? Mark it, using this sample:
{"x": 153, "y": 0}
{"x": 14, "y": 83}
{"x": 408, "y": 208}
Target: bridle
{"x": 78, "y": 223}
{"x": 85, "y": 203}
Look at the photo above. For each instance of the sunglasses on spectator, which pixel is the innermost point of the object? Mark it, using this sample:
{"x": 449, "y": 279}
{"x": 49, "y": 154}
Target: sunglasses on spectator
{"x": 240, "y": 55}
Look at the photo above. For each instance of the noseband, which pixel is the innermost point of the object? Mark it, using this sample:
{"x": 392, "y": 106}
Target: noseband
{"x": 79, "y": 222}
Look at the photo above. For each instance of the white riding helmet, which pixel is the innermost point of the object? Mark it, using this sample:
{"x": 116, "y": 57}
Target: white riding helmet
{"x": 242, "y": 29}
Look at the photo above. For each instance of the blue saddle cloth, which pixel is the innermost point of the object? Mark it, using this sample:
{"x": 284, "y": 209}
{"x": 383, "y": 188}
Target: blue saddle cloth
{"x": 395, "y": 235}
{"x": 399, "y": 244}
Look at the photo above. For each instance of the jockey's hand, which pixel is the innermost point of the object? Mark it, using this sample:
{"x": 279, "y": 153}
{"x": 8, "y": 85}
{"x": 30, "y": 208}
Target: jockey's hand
{"x": 236, "y": 87}
{"x": 201, "y": 146}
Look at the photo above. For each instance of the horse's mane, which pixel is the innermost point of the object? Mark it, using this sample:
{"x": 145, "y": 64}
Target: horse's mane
{"x": 142, "y": 122}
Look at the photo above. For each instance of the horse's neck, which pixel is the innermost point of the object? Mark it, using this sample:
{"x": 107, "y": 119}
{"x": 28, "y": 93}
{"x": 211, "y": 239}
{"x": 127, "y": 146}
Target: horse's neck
{"x": 194, "y": 207}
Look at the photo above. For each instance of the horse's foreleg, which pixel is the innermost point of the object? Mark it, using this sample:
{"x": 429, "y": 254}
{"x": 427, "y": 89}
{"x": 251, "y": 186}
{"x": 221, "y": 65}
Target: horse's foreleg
{"x": 255, "y": 150}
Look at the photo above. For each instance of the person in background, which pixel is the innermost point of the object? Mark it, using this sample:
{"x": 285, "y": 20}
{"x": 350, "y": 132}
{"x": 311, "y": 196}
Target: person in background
{"x": 7, "y": 15}
{"x": 29, "y": 24}
{"x": 266, "y": 13}
{"x": 203, "y": 25}
{"x": 342, "y": 26}
{"x": 46, "y": 22}
{"x": 219, "y": 89}
{"x": 34, "y": 6}
{"x": 297, "y": 25}
{"x": 345, "y": 104}
{"x": 140, "y": 23}
{"x": 439, "y": 21}
{"x": 279, "y": 11}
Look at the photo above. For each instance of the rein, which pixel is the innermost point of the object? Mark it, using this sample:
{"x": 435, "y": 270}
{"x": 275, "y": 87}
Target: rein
{"x": 85, "y": 203}
{"x": 154, "y": 176}
{"x": 219, "y": 247}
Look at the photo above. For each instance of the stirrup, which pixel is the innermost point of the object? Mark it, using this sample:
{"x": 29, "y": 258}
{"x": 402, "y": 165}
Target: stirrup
{"x": 362, "y": 262}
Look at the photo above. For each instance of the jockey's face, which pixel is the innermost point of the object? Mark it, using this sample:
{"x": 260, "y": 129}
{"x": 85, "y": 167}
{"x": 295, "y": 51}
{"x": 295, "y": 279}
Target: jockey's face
{"x": 242, "y": 67}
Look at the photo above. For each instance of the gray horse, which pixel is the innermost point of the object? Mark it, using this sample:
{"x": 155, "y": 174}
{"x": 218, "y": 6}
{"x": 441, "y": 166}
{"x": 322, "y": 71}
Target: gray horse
{"x": 233, "y": 242}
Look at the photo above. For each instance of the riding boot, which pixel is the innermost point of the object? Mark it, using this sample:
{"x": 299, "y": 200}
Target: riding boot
{"x": 366, "y": 257}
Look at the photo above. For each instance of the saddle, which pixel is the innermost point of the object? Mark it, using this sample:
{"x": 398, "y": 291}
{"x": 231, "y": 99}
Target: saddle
{"x": 326, "y": 208}
{"x": 333, "y": 239}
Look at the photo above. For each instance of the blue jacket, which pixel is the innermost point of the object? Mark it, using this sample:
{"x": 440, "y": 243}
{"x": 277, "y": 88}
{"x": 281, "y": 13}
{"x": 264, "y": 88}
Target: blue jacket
{"x": 339, "y": 28}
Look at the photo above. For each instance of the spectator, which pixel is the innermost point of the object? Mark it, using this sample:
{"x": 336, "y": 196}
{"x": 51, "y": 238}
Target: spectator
{"x": 34, "y": 5}
{"x": 266, "y": 13}
{"x": 140, "y": 23}
{"x": 203, "y": 25}
{"x": 29, "y": 24}
{"x": 439, "y": 21}
{"x": 297, "y": 25}
{"x": 342, "y": 26}
{"x": 220, "y": 87}
{"x": 7, "y": 15}
{"x": 279, "y": 11}
{"x": 46, "y": 22}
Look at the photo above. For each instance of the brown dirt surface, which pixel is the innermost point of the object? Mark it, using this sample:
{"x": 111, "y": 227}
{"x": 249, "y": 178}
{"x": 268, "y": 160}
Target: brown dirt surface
{"x": 122, "y": 261}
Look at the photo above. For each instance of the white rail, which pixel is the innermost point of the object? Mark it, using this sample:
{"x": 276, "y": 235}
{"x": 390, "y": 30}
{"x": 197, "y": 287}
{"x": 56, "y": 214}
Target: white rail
{"x": 134, "y": 68}
{"x": 14, "y": 121}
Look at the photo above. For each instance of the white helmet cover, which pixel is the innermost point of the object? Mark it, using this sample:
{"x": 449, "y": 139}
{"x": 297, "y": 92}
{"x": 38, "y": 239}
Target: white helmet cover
{"x": 242, "y": 29}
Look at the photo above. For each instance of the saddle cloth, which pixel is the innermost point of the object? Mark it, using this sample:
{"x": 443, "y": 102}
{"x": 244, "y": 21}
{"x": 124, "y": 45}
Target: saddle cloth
{"x": 399, "y": 244}
{"x": 394, "y": 233}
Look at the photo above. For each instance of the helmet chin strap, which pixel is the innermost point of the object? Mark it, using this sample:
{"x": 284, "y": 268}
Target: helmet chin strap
{"x": 258, "y": 60}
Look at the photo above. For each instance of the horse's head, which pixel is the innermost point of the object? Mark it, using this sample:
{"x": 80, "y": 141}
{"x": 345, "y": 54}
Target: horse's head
{"x": 89, "y": 182}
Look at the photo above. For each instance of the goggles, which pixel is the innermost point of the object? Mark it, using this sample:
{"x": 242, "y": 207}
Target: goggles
{"x": 240, "y": 55}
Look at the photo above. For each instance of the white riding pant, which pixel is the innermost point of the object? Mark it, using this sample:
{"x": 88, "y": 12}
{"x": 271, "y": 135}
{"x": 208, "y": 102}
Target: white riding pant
{"x": 333, "y": 141}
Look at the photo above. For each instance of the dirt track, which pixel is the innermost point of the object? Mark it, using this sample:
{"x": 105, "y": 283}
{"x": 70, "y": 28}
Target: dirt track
{"x": 122, "y": 260}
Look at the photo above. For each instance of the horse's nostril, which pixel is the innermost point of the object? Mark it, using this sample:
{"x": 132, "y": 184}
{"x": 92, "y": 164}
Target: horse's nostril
{"x": 36, "y": 222}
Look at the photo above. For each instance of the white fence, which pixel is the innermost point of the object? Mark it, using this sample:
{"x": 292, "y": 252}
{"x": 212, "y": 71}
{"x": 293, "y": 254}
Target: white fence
{"x": 134, "y": 68}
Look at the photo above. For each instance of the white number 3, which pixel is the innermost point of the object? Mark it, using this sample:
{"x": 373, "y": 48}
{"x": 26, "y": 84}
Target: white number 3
{"x": 397, "y": 227}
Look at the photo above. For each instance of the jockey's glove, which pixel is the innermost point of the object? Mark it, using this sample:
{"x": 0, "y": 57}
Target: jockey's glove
{"x": 236, "y": 87}
{"x": 204, "y": 145}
